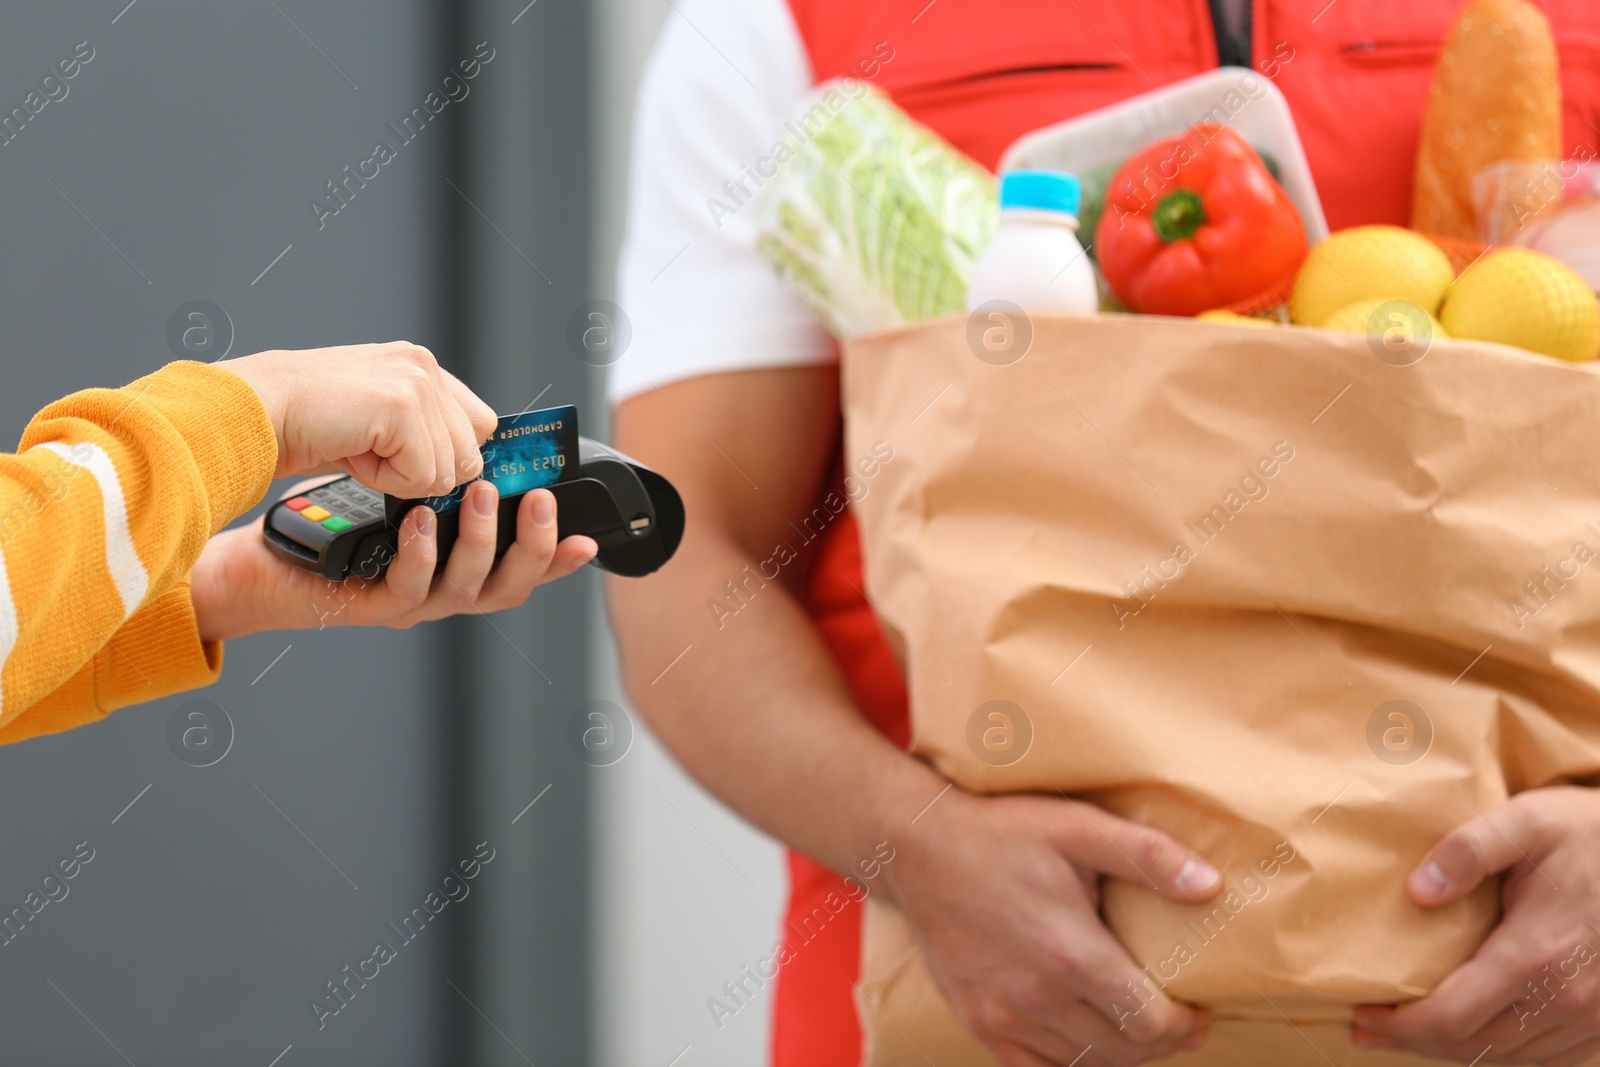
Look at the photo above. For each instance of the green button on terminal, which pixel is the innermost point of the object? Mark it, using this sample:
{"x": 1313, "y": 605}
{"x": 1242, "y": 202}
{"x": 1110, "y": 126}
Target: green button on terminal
{"x": 337, "y": 523}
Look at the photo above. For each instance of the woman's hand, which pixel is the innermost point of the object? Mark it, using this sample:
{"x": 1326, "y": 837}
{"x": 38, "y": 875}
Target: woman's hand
{"x": 1003, "y": 895}
{"x": 239, "y": 587}
{"x": 1531, "y": 994}
{"x": 388, "y": 414}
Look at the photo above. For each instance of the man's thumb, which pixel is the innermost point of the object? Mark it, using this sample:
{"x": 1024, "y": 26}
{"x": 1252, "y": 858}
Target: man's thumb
{"x": 1472, "y": 852}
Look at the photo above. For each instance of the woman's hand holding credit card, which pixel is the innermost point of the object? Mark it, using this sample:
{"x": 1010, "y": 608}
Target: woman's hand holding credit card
{"x": 386, "y": 414}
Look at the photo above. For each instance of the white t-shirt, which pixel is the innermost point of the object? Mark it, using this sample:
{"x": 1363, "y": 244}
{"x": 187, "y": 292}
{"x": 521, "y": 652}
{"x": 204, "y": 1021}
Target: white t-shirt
{"x": 722, "y": 81}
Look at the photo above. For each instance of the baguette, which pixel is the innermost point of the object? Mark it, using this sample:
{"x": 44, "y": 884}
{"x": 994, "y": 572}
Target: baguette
{"x": 1496, "y": 96}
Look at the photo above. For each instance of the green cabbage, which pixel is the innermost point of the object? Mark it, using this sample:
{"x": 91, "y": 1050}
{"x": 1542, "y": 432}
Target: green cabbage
{"x": 875, "y": 221}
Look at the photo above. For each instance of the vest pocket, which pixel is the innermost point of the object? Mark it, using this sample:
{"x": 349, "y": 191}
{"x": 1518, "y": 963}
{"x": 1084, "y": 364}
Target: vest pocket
{"x": 1391, "y": 52}
{"x": 981, "y": 77}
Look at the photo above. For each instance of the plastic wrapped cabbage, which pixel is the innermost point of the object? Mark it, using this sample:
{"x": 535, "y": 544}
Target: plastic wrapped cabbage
{"x": 875, "y": 221}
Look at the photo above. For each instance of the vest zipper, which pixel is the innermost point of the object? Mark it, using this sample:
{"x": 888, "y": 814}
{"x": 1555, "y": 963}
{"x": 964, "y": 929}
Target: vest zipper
{"x": 1231, "y": 51}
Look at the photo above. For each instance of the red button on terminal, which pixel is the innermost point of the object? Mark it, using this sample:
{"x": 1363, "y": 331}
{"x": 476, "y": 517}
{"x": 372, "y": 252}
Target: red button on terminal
{"x": 299, "y": 503}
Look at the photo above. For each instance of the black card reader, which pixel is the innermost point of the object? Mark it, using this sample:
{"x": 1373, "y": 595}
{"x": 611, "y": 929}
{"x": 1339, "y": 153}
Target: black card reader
{"x": 343, "y": 529}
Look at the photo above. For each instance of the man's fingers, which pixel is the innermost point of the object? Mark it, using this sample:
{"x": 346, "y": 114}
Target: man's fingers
{"x": 1500, "y": 1039}
{"x": 1085, "y": 1039}
{"x": 1014, "y": 1055}
{"x": 1573, "y": 1057}
{"x": 1475, "y": 850}
{"x": 1094, "y": 975}
{"x": 1095, "y": 1025}
{"x": 1469, "y": 998}
{"x": 1132, "y": 1013}
{"x": 1554, "y": 1007}
{"x": 1572, "y": 1043}
{"x": 1044, "y": 1046}
{"x": 1110, "y": 845}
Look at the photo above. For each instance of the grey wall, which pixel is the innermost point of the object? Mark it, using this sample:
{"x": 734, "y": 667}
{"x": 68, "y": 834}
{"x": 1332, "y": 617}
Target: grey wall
{"x": 522, "y": 221}
{"x": 220, "y": 903}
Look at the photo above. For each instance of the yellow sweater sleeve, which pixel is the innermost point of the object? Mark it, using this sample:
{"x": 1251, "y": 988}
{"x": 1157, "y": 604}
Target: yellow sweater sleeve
{"x": 103, "y": 511}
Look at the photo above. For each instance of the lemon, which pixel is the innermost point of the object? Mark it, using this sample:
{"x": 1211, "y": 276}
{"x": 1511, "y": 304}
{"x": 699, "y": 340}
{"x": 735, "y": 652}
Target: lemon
{"x": 1525, "y": 298}
{"x": 1223, "y": 317}
{"x": 1400, "y": 322}
{"x": 1368, "y": 262}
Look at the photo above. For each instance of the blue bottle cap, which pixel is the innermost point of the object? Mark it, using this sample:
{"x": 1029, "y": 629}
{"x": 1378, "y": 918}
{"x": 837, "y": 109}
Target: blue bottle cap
{"x": 1046, "y": 190}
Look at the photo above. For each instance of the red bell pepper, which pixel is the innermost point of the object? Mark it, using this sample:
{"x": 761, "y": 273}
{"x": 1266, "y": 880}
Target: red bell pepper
{"x": 1196, "y": 222}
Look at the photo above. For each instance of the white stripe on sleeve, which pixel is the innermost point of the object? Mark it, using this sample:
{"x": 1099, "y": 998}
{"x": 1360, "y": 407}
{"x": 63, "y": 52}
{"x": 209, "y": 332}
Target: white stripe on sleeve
{"x": 8, "y": 625}
{"x": 122, "y": 559}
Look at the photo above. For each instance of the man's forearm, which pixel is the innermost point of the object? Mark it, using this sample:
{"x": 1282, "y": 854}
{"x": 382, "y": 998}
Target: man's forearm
{"x": 757, "y": 711}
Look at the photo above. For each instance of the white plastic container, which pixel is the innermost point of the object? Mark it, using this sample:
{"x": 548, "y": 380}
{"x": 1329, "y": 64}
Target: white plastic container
{"x": 1233, "y": 96}
{"x": 1035, "y": 260}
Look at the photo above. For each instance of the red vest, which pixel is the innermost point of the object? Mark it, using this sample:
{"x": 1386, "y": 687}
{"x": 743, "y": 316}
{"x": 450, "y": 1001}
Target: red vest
{"x": 984, "y": 72}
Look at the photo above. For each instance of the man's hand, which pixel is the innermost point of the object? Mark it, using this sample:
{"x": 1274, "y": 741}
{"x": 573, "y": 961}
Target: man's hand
{"x": 388, "y": 414}
{"x": 1531, "y": 994}
{"x": 239, "y": 587}
{"x": 1003, "y": 895}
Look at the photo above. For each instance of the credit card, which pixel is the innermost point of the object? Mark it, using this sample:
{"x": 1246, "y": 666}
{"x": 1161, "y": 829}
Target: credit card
{"x": 529, "y": 450}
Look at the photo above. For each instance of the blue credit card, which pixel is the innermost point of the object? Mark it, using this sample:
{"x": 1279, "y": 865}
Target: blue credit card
{"x": 529, "y": 450}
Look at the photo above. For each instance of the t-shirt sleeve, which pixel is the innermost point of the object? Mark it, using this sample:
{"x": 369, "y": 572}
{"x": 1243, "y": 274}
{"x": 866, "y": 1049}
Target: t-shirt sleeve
{"x": 724, "y": 78}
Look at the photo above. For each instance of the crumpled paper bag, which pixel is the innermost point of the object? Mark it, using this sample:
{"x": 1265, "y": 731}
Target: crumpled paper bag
{"x": 1301, "y": 607}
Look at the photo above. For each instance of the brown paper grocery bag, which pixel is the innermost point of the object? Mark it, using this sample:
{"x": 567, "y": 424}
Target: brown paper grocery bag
{"x": 1302, "y": 607}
